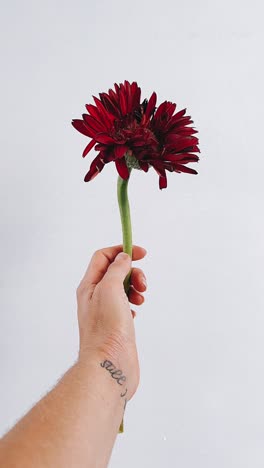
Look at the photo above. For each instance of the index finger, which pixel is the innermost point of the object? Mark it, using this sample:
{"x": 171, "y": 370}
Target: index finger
{"x": 101, "y": 260}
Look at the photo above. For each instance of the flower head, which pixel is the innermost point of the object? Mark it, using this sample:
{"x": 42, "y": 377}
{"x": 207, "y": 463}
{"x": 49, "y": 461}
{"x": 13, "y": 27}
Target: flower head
{"x": 137, "y": 134}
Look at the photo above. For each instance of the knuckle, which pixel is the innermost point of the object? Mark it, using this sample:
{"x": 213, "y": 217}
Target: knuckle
{"x": 82, "y": 290}
{"x": 97, "y": 252}
{"x": 96, "y": 255}
{"x": 133, "y": 271}
{"x": 137, "y": 273}
{"x": 113, "y": 269}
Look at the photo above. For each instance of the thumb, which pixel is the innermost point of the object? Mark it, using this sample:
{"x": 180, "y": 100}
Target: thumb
{"x": 119, "y": 268}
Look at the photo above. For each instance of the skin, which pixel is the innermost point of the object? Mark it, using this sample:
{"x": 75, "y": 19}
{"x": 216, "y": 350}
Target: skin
{"x": 75, "y": 425}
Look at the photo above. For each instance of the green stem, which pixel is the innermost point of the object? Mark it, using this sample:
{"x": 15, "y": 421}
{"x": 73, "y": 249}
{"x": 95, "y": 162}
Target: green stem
{"x": 124, "y": 209}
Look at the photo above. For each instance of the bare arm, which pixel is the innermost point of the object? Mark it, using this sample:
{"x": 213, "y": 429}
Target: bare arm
{"x": 75, "y": 425}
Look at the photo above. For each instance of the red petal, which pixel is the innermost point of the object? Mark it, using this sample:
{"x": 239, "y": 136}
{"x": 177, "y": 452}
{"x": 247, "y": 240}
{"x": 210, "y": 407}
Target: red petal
{"x": 173, "y": 157}
{"x": 195, "y": 149}
{"x": 91, "y": 174}
{"x": 161, "y": 109}
{"x": 186, "y": 131}
{"x": 151, "y": 105}
{"x": 182, "y": 122}
{"x": 109, "y": 105}
{"x": 105, "y": 139}
{"x": 88, "y": 148}
{"x": 122, "y": 168}
{"x": 100, "y": 147}
{"x": 181, "y": 168}
{"x": 190, "y": 158}
{"x": 93, "y": 124}
{"x": 96, "y": 167}
{"x": 127, "y": 86}
{"x": 163, "y": 182}
{"x": 129, "y": 94}
{"x": 81, "y": 127}
{"x": 120, "y": 150}
{"x": 122, "y": 98}
{"x": 116, "y": 88}
{"x": 179, "y": 114}
{"x": 180, "y": 142}
{"x": 136, "y": 93}
{"x": 108, "y": 156}
{"x": 93, "y": 111}
{"x": 144, "y": 165}
{"x": 106, "y": 116}
{"x": 170, "y": 108}
{"x": 159, "y": 168}
{"x": 186, "y": 157}
{"x": 113, "y": 96}
{"x": 100, "y": 115}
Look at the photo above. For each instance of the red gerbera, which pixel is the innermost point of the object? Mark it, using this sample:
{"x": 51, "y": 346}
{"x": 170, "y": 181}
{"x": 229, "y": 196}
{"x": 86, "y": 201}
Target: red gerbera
{"x": 135, "y": 134}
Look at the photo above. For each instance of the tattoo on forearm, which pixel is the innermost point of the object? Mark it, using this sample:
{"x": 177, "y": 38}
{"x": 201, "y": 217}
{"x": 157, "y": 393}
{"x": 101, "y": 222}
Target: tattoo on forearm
{"x": 123, "y": 394}
{"x": 116, "y": 374}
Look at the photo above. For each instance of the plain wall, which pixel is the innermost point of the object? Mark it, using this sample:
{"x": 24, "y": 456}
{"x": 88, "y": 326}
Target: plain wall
{"x": 200, "y": 332}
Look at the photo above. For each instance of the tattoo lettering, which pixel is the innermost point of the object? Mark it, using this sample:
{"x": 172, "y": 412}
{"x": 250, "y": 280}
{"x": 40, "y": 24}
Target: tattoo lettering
{"x": 123, "y": 394}
{"x": 115, "y": 373}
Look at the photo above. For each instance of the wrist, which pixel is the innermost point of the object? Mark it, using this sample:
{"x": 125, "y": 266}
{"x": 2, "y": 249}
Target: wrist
{"x": 106, "y": 381}
{"x": 112, "y": 345}
{"x": 117, "y": 346}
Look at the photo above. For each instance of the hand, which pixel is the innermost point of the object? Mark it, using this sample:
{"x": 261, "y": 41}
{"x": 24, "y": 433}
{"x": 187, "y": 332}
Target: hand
{"x": 105, "y": 319}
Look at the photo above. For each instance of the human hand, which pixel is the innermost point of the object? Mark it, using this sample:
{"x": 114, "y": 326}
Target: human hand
{"x": 105, "y": 319}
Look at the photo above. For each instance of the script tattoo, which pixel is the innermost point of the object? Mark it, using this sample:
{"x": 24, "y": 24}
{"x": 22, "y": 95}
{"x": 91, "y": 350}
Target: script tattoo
{"x": 117, "y": 375}
{"x": 123, "y": 394}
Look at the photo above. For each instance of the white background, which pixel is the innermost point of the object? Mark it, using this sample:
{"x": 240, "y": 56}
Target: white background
{"x": 200, "y": 333}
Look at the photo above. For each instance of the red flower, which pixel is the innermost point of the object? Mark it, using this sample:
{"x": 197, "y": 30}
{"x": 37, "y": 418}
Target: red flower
{"x": 134, "y": 134}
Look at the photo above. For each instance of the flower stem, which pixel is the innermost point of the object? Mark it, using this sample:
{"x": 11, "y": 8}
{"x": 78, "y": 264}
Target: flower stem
{"x": 124, "y": 209}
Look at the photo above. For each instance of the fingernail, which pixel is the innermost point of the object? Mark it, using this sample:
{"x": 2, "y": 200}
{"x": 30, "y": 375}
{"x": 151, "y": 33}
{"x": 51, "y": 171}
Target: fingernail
{"x": 122, "y": 256}
{"x": 144, "y": 281}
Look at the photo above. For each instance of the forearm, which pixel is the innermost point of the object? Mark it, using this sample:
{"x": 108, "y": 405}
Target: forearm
{"x": 75, "y": 425}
